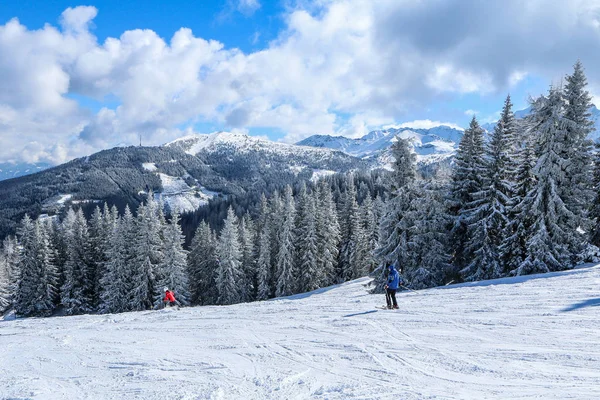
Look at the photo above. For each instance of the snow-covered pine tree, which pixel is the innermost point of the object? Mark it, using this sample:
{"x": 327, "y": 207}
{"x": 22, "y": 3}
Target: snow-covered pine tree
{"x": 578, "y": 190}
{"x": 229, "y": 255}
{"x": 202, "y": 265}
{"x": 487, "y": 214}
{"x": 117, "y": 281}
{"x": 468, "y": 179}
{"x": 309, "y": 272}
{"x": 553, "y": 232}
{"x": 36, "y": 288}
{"x": 99, "y": 238}
{"x": 148, "y": 249}
{"x": 513, "y": 249}
{"x": 77, "y": 289}
{"x": 370, "y": 226}
{"x": 395, "y": 222}
{"x": 428, "y": 263}
{"x": 5, "y": 294}
{"x": 353, "y": 249}
{"x": 173, "y": 264}
{"x": 10, "y": 257}
{"x": 328, "y": 234}
{"x": 285, "y": 268}
{"x": 247, "y": 239}
{"x": 275, "y": 225}
{"x": 263, "y": 259}
{"x": 595, "y": 207}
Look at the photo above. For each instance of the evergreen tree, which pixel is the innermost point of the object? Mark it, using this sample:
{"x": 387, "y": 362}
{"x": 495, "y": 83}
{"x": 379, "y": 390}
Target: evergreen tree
{"x": 487, "y": 214}
{"x": 149, "y": 245}
{"x": 174, "y": 263}
{"x": 9, "y": 274}
{"x": 310, "y": 275}
{"x": 263, "y": 260}
{"x": 275, "y": 226}
{"x": 229, "y": 254}
{"x": 328, "y": 234}
{"x": 77, "y": 289}
{"x": 353, "y": 249}
{"x": 99, "y": 233}
{"x": 513, "y": 249}
{"x": 468, "y": 180}
{"x": 577, "y": 191}
{"x": 202, "y": 266}
{"x": 286, "y": 273}
{"x": 117, "y": 281}
{"x": 248, "y": 264}
{"x": 552, "y": 233}
{"x": 370, "y": 226}
{"x": 396, "y": 220}
{"x": 428, "y": 263}
{"x": 36, "y": 288}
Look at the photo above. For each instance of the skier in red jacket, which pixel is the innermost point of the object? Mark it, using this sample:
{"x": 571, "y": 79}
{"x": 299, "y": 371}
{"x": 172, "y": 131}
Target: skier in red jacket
{"x": 170, "y": 298}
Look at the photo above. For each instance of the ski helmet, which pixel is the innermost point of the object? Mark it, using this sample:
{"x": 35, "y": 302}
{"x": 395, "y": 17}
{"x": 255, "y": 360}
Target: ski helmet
{"x": 166, "y": 289}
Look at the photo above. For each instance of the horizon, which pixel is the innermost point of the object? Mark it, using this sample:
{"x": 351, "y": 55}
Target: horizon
{"x": 83, "y": 78}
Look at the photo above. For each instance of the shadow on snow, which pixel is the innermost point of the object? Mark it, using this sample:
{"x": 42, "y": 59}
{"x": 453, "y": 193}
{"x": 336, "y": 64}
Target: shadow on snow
{"x": 583, "y": 304}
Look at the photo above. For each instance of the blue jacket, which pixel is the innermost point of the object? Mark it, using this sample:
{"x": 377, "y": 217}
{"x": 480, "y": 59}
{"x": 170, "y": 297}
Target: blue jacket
{"x": 393, "y": 278}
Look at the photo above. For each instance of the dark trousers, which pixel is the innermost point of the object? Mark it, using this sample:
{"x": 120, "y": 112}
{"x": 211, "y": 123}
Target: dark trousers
{"x": 390, "y": 297}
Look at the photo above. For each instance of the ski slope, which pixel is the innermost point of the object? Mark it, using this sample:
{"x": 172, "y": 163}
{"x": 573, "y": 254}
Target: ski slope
{"x": 518, "y": 338}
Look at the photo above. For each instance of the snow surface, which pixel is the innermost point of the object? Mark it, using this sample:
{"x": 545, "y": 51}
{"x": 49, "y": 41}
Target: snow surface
{"x": 196, "y": 143}
{"x": 149, "y": 166}
{"x": 177, "y": 194}
{"x": 527, "y": 337}
{"x": 321, "y": 173}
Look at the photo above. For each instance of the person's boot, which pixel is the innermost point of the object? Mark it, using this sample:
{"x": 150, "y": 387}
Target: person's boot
{"x": 396, "y": 307}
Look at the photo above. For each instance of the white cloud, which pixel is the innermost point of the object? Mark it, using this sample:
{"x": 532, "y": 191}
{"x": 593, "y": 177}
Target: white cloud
{"x": 471, "y": 112}
{"x": 338, "y": 67}
{"x": 247, "y": 7}
{"x": 424, "y": 124}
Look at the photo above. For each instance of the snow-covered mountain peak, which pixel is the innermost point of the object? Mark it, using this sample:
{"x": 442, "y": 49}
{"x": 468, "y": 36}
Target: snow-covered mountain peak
{"x": 240, "y": 142}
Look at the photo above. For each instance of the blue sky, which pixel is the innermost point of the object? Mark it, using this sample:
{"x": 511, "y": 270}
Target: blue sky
{"x": 80, "y": 77}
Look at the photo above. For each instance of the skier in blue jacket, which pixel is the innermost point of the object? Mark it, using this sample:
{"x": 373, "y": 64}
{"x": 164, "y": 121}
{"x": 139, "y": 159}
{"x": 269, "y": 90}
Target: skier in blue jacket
{"x": 393, "y": 282}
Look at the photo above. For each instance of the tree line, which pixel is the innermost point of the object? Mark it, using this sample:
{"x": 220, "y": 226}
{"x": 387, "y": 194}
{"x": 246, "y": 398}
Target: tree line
{"x": 298, "y": 241}
{"x": 523, "y": 201}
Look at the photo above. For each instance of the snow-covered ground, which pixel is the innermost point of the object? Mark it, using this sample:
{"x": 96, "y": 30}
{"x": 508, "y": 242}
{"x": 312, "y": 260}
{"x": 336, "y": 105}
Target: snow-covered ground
{"x": 177, "y": 194}
{"x": 532, "y": 337}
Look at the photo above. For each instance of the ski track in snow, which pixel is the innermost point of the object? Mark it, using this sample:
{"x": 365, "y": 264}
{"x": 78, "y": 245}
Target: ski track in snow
{"x": 527, "y": 337}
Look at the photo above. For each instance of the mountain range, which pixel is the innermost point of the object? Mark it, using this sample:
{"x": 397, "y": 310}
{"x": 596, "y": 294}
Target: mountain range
{"x": 185, "y": 174}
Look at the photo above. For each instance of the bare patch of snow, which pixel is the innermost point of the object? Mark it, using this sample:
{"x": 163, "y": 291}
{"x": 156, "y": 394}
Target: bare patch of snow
{"x": 149, "y": 166}
{"x": 177, "y": 194}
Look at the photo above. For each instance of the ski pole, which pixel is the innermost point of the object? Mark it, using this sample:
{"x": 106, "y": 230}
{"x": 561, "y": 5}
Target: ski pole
{"x": 407, "y": 288}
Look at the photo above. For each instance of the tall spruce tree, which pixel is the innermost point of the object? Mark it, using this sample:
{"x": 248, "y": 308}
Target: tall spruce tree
{"x": 248, "y": 262}
{"x": 328, "y": 234}
{"x": 229, "y": 254}
{"x": 285, "y": 267}
{"x": 263, "y": 259}
{"x": 202, "y": 266}
{"x": 149, "y": 245}
{"x": 173, "y": 263}
{"x": 552, "y": 235}
{"x": 36, "y": 288}
{"x": 487, "y": 215}
{"x": 77, "y": 290}
{"x": 468, "y": 180}
{"x": 117, "y": 281}
{"x": 396, "y": 220}
{"x": 310, "y": 275}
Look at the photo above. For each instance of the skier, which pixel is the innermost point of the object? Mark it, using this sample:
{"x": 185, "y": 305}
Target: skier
{"x": 392, "y": 285}
{"x": 170, "y": 298}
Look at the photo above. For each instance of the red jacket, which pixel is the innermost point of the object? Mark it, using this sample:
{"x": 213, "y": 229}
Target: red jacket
{"x": 169, "y": 296}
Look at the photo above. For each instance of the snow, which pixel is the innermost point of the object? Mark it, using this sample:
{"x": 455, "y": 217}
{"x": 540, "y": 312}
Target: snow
{"x": 64, "y": 198}
{"x": 148, "y": 166}
{"x": 321, "y": 173}
{"x": 526, "y": 337}
{"x": 196, "y": 143}
{"x": 177, "y": 194}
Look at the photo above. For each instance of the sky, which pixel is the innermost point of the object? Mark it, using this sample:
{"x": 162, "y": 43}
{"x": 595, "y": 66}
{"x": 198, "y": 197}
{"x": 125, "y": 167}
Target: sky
{"x": 76, "y": 78}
